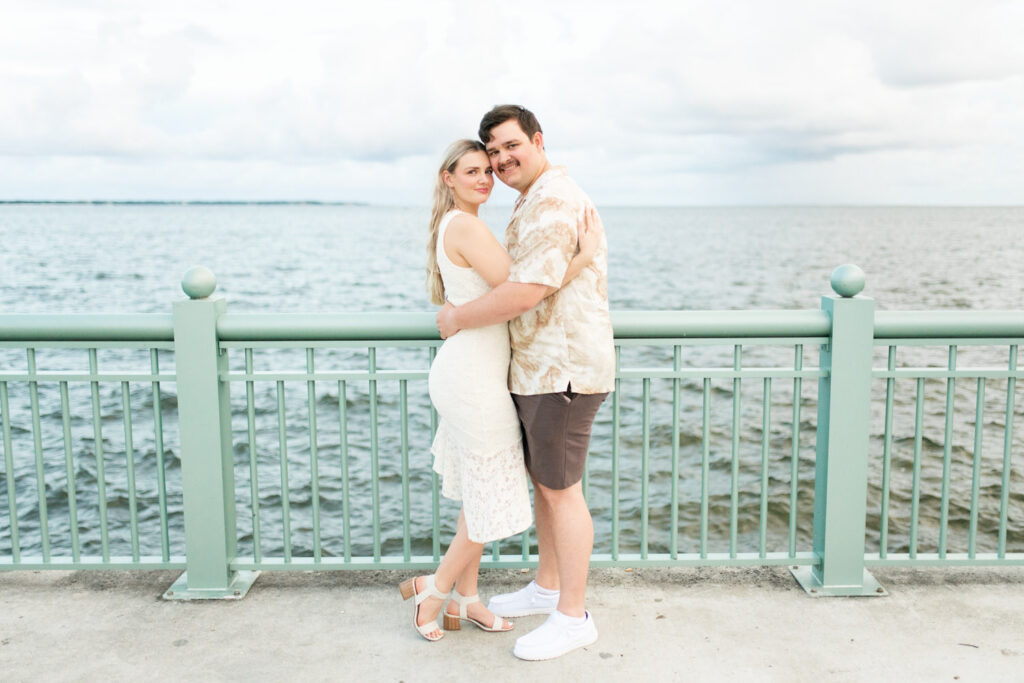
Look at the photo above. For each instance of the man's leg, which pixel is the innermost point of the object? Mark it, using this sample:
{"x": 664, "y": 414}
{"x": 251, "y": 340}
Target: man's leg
{"x": 541, "y": 595}
{"x": 571, "y": 538}
{"x": 547, "y": 564}
{"x": 570, "y": 626}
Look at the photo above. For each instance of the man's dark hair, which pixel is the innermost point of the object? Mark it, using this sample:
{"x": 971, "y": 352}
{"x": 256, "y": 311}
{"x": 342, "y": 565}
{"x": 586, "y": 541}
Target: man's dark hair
{"x": 504, "y": 112}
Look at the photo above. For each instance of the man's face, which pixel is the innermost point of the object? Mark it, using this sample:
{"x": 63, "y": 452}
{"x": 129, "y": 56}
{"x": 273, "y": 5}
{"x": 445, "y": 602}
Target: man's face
{"x": 515, "y": 158}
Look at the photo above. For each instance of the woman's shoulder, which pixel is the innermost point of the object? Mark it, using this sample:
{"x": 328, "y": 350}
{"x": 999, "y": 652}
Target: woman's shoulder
{"x": 466, "y": 223}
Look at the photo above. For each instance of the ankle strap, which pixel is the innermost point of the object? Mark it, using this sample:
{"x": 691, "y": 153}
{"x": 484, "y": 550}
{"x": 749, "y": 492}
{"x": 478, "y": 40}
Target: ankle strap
{"x": 463, "y": 601}
{"x": 431, "y": 590}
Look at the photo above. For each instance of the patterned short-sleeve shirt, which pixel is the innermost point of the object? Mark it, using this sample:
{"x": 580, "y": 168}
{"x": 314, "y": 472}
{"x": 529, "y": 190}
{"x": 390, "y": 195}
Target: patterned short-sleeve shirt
{"x": 567, "y": 337}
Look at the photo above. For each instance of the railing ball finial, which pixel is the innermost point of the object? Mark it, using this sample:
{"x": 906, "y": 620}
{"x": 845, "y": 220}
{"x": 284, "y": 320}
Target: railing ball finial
{"x": 198, "y": 282}
{"x": 848, "y": 280}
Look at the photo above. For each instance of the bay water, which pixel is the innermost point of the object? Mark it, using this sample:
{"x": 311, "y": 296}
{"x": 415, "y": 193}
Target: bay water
{"x": 100, "y": 258}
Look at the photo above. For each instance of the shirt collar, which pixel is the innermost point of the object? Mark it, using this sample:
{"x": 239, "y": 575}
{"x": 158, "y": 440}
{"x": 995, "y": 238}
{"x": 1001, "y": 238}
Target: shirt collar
{"x": 545, "y": 177}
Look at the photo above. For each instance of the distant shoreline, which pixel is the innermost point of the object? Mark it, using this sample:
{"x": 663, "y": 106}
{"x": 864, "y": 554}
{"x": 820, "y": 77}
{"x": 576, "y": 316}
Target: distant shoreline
{"x": 314, "y": 202}
{"x": 184, "y": 202}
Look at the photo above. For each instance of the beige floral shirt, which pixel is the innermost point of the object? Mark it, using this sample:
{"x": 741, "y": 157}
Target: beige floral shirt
{"x": 567, "y": 338}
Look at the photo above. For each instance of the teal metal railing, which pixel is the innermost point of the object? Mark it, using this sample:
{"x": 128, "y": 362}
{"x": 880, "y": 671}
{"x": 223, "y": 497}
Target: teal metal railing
{"x": 262, "y": 442}
{"x": 89, "y": 475}
{"x": 364, "y": 384}
{"x": 934, "y": 358}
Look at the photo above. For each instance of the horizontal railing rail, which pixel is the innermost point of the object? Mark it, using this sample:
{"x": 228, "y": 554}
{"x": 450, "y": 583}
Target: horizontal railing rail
{"x": 713, "y": 450}
{"x": 420, "y": 326}
{"x": 86, "y": 328}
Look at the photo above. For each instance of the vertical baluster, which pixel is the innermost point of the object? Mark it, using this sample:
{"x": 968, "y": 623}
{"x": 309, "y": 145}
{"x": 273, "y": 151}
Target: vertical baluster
{"x": 69, "y": 463}
{"x": 766, "y": 424}
{"x": 254, "y": 475}
{"x": 404, "y": 408}
{"x": 129, "y": 455}
{"x": 1004, "y": 497}
{"x": 435, "y": 491}
{"x": 947, "y": 453}
{"x": 374, "y": 462}
{"x": 979, "y": 417}
{"x": 158, "y": 438}
{"x": 734, "y": 499}
{"x": 346, "y": 511}
{"x": 915, "y": 496}
{"x": 890, "y": 385}
{"x": 794, "y": 458}
{"x": 615, "y": 455}
{"x": 314, "y": 460}
{"x": 37, "y": 443}
{"x": 705, "y": 465}
{"x": 674, "y": 500}
{"x": 12, "y": 499}
{"x": 282, "y": 440}
{"x": 101, "y": 477}
{"x": 645, "y": 458}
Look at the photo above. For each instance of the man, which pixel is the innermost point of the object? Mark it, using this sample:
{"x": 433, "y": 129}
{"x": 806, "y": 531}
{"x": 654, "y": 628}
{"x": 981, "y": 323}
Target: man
{"x": 562, "y": 368}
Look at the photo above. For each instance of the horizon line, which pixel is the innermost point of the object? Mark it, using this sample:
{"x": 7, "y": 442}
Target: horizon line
{"x": 319, "y": 202}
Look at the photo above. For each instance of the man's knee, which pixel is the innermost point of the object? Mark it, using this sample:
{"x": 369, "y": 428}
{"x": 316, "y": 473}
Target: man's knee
{"x": 555, "y": 497}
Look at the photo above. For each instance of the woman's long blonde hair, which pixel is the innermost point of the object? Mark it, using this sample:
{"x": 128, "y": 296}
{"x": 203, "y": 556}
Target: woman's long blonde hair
{"x": 444, "y": 201}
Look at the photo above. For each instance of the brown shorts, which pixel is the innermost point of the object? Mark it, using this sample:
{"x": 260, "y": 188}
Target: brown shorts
{"x": 556, "y": 434}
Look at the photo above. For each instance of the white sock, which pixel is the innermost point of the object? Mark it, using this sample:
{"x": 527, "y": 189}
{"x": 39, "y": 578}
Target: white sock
{"x": 573, "y": 621}
{"x": 545, "y": 591}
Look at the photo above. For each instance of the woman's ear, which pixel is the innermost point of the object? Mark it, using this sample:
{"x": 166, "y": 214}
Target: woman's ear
{"x": 446, "y": 178}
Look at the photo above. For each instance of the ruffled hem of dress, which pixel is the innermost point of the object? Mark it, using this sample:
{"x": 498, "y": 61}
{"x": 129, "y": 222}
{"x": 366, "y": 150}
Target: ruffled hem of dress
{"x": 448, "y": 450}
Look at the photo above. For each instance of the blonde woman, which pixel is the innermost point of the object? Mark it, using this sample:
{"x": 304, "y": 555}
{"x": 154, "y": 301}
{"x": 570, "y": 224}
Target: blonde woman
{"x": 478, "y": 447}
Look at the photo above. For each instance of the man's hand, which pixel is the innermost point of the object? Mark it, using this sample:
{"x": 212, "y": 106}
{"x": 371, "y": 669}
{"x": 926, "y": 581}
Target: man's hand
{"x": 446, "y": 320}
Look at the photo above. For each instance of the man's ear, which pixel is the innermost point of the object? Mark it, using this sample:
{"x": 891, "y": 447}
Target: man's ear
{"x": 538, "y": 140}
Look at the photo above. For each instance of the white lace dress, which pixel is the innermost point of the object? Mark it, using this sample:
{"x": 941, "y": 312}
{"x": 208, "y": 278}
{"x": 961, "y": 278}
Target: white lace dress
{"x": 478, "y": 447}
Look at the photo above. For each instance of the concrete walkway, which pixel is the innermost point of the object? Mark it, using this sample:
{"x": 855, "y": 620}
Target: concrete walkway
{"x": 655, "y": 624}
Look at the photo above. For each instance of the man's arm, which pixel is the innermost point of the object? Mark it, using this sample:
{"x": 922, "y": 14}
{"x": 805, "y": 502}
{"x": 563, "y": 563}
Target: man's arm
{"x": 506, "y": 301}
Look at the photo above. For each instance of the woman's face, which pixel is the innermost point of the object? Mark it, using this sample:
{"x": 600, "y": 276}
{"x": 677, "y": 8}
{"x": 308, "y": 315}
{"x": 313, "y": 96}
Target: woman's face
{"x": 472, "y": 180}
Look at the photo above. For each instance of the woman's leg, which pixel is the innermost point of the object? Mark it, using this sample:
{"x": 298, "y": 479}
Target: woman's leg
{"x": 466, "y": 580}
{"x": 461, "y": 560}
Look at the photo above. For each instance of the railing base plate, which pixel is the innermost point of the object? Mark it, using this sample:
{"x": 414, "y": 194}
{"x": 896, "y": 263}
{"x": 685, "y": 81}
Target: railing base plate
{"x": 869, "y": 585}
{"x": 240, "y": 583}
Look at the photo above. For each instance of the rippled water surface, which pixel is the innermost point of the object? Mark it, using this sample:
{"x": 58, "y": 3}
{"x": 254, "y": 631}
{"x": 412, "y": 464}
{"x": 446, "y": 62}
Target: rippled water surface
{"x": 284, "y": 259}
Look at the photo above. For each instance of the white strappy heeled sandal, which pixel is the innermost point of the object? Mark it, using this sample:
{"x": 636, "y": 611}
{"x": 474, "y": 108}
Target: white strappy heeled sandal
{"x": 452, "y": 621}
{"x": 408, "y": 588}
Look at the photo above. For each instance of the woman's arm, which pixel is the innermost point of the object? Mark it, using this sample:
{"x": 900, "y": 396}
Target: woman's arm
{"x": 590, "y": 230}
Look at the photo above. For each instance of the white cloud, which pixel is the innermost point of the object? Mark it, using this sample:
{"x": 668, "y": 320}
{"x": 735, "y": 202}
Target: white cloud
{"x": 649, "y": 103}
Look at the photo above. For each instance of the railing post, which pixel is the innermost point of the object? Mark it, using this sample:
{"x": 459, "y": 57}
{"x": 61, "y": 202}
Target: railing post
{"x": 204, "y": 424}
{"x": 844, "y": 424}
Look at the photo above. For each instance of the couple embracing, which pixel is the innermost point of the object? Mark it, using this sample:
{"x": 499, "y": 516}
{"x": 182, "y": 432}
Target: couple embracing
{"x": 527, "y": 360}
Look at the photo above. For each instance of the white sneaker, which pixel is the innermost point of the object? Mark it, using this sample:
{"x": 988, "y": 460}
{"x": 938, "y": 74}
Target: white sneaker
{"x": 523, "y": 602}
{"x": 556, "y": 637}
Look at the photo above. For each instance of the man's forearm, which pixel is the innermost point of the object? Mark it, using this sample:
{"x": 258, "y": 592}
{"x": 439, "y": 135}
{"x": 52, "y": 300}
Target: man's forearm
{"x": 506, "y": 301}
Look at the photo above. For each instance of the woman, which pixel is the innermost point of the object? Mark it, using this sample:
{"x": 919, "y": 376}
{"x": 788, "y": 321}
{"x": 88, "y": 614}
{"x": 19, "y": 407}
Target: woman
{"x": 478, "y": 446}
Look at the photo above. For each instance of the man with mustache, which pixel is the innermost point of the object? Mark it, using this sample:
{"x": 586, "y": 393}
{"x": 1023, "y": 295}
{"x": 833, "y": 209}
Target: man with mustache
{"x": 562, "y": 368}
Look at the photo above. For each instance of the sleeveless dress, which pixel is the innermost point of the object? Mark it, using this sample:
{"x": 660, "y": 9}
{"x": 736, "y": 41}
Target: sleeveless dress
{"x": 478, "y": 446}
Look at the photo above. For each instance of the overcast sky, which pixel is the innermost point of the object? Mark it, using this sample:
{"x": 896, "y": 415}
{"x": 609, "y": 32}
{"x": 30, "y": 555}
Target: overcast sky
{"x": 681, "y": 103}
